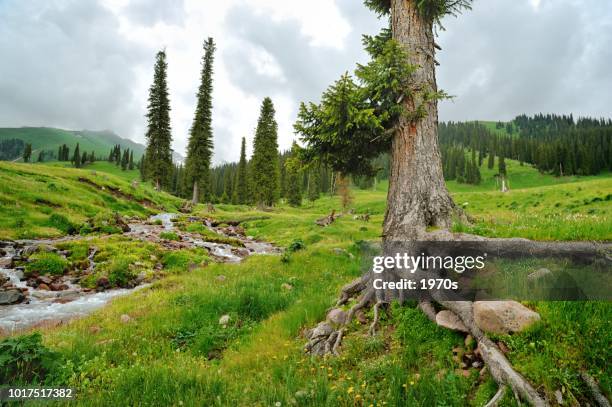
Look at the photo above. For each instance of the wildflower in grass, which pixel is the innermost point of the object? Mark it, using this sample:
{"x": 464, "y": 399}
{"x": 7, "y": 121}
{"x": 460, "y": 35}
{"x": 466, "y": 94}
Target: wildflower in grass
{"x": 358, "y": 397}
{"x": 350, "y": 390}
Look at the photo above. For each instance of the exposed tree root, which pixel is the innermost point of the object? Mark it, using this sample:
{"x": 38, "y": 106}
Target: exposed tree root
{"x": 372, "y": 330}
{"x": 494, "y": 402}
{"x": 513, "y": 247}
{"x": 365, "y": 300}
{"x": 596, "y": 392}
{"x": 324, "y": 339}
{"x": 351, "y": 289}
{"x": 428, "y": 309}
{"x": 500, "y": 368}
{"x": 337, "y": 342}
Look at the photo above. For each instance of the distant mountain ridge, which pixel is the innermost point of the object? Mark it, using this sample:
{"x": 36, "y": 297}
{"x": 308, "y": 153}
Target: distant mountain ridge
{"x": 99, "y": 141}
{"x": 48, "y": 138}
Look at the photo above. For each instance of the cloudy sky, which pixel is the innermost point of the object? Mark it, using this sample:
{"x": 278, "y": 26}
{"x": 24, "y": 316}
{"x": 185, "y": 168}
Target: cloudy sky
{"x": 87, "y": 64}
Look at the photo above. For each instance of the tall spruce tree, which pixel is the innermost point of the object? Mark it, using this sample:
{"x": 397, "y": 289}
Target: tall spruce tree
{"x": 294, "y": 177}
{"x": 265, "y": 171}
{"x": 125, "y": 159}
{"x": 314, "y": 181}
{"x": 159, "y": 136}
{"x": 502, "y": 166}
{"x": 76, "y": 158}
{"x": 131, "y": 162}
{"x": 200, "y": 147}
{"x": 27, "y": 153}
{"x": 242, "y": 182}
{"x": 227, "y": 185}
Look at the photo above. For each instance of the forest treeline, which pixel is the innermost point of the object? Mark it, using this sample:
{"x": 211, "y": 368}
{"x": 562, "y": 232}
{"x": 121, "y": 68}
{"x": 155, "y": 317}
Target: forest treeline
{"x": 554, "y": 144}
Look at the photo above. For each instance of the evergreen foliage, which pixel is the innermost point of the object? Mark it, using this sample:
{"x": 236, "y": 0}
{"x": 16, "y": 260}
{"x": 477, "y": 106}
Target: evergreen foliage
{"x": 200, "y": 146}
{"x": 264, "y": 165}
{"x": 242, "y": 186}
{"x": 76, "y": 157}
{"x": 294, "y": 177}
{"x": 27, "y": 153}
{"x": 159, "y": 137}
{"x": 354, "y": 122}
{"x": 11, "y": 149}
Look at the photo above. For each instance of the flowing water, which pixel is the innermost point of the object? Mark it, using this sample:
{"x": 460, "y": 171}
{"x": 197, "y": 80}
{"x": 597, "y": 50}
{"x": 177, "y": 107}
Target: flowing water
{"x": 51, "y": 307}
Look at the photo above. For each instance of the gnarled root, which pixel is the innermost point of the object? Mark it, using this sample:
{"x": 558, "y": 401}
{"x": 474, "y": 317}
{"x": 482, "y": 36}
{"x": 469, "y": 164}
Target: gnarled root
{"x": 323, "y": 339}
{"x": 352, "y": 289}
{"x": 374, "y": 324}
{"x": 500, "y": 368}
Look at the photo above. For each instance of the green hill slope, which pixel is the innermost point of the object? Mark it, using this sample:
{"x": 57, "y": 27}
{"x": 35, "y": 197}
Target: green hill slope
{"x": 45, "y": 201}
{"x": 46, "y": 138}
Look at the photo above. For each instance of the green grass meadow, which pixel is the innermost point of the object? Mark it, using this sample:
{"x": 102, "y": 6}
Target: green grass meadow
{"x": 173, "y": 351}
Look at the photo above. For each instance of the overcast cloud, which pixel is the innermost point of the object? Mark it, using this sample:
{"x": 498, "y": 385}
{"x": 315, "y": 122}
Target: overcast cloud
{"x": 88, "y": 63}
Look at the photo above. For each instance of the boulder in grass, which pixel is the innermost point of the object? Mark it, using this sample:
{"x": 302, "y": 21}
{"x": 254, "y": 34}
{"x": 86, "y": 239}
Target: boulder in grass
{"x": 450, "y": 320}
{"x": 503, "y": 317}
{"x": 336, "y": 316}
{"x": 224, "y": 320}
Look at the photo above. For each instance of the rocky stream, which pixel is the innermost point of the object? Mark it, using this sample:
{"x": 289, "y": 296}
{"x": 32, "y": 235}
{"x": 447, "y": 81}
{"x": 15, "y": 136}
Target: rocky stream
{"x": 44, "y": 300}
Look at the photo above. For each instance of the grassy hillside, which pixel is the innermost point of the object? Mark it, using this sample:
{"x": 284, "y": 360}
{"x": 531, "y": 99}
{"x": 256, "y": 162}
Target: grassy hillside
{"x": 102, "y": 166}
{"x": 45, "y": 138}
{"x": 32, "y": 196}
{"x": 173, "y": 351}
{"x": 519, "y": 177}
{"x": 491, "y": 126}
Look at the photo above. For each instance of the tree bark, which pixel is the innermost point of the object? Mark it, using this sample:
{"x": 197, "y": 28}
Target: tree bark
{"x": 417, "y": 196}
{"x": 194, "y": 198}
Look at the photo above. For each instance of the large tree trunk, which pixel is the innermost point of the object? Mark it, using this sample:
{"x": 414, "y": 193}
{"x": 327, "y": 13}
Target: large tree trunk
{"x": 417, "y": 196}
{"x": 194, "y": 197}
{"x": 418, "y": 199}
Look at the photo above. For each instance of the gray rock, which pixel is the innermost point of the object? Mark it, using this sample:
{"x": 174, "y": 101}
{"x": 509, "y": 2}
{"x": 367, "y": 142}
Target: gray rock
{"x": 449, "y": 320}
{"x": 44, "y": 280}
{"x": 29, "y": 250}
{"x": 503, "y": 317}
{"x": 6, "y": 263}
{"x": 559, "y": 397}
{"x": 336, "y": 316}
{"x": 224, "y": 320}
{"x": 12, "y": 296}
